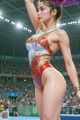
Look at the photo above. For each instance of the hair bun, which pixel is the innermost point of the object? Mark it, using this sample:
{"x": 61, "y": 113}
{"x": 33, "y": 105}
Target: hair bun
{"x": 57, "y": 1}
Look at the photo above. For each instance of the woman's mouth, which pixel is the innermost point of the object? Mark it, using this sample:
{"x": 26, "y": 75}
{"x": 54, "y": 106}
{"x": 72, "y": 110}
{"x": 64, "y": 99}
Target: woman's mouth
{"x": 39, "y": 18}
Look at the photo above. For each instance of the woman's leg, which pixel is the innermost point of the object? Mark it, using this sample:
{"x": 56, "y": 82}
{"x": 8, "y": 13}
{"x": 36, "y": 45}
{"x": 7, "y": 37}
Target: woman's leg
{"x": 38, "y": 97}
{"x": 53, "y": 92}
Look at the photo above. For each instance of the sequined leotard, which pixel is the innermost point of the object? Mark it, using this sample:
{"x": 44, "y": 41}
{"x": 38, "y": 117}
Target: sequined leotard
{"x": 37, "y": 50}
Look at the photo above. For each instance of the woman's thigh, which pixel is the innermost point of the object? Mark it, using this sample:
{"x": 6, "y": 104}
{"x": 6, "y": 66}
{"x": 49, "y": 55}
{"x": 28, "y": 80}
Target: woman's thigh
{"x": 53, "y": 92}
{"x": 38, "y": 97}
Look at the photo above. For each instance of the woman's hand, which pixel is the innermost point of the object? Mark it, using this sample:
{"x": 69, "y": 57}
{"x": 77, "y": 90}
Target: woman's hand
{"x": 32, "y": 1}
{"x": 78, "y": 94}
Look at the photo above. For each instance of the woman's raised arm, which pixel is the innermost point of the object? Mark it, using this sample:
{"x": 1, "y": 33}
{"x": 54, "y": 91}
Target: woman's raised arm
{"x": 32, "y": 13}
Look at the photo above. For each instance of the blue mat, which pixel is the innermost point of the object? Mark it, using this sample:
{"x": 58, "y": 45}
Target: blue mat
{"x": 63, "y": 117}
{"x": 24, "y": 118}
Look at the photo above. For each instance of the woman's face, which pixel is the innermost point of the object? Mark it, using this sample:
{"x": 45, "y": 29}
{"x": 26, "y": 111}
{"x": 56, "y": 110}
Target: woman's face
{"x": 44, "y": 14}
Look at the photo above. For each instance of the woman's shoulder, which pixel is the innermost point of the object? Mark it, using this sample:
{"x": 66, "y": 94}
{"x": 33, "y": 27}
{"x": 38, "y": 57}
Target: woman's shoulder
{"x": 62, "y": 35}
{"x": 61, "y": 32}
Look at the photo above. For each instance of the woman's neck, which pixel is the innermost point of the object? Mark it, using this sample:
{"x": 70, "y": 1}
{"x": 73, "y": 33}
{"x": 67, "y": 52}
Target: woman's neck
{"x": 49, "y": 25}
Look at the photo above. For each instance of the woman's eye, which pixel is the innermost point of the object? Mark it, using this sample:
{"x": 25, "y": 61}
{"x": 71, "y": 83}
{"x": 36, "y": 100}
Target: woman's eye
{"x": 42, "y": 9}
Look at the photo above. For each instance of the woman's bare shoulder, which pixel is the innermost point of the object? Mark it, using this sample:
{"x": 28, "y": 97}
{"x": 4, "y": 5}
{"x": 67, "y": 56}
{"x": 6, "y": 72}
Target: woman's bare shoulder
{"x": 62, "y": 35}
{"x": 61, "y": 32}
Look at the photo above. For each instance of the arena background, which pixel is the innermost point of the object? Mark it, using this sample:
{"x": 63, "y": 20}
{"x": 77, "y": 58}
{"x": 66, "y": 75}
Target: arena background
{"x": 16, "y": 86}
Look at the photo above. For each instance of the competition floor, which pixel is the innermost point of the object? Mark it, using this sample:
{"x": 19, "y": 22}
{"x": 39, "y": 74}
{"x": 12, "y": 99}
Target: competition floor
{"x": 24, "y": 118}
{"x": 63, "y": 117}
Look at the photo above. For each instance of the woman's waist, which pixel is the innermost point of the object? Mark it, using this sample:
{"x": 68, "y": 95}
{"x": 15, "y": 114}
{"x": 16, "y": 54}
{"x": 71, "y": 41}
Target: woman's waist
{"x": 41, "y": 57}
{"x": 37, "y": 54}
{"x": 39, "y": 60}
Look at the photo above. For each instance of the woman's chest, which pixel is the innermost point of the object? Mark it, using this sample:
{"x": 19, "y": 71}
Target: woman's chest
{"x": 36, "y": 43}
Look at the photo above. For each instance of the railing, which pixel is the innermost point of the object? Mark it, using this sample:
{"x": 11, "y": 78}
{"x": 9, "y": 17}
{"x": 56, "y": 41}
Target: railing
{"x": 70, "y": 110}
{"x": 32, "y": 110}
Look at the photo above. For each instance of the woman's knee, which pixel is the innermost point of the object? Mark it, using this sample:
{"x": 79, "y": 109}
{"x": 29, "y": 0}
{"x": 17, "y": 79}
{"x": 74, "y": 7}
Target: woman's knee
{"x": 47, "y": 117}
{"x": 50, "y": 117}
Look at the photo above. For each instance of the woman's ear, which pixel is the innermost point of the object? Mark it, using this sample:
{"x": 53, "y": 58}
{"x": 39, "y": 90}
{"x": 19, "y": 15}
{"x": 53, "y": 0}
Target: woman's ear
{"x": 54, "y": 12}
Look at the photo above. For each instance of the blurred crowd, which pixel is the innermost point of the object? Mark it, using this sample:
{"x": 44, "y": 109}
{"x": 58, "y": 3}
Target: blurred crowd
{"x": 14, "y": 67}
{"x": 22, "y": 67}
{"x": 25, "y": 86}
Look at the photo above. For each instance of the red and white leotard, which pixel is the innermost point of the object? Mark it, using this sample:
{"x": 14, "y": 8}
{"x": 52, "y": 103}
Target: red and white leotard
{"x": 38, "y": 47}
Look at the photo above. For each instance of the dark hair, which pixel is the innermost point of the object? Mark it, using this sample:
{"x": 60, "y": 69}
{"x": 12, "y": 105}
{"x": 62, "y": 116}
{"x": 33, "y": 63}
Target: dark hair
{"x": 58, "y": 7}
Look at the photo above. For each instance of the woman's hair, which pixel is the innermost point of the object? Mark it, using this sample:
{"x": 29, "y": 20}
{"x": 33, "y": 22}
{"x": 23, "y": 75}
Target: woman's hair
{"x": 52, "y": 6}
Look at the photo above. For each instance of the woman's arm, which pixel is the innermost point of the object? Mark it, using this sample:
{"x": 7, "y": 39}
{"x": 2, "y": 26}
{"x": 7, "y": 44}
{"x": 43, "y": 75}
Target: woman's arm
{"x": 66, "y": 52}
{"x": 32, "y": 13}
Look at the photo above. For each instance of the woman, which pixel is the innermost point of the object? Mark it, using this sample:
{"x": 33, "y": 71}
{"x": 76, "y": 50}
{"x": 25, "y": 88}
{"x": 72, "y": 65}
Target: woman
{"x": 49, "y": 83}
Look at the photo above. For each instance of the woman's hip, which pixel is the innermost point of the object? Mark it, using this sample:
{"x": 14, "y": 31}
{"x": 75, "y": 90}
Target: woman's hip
{"x": 54, "y": 77}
